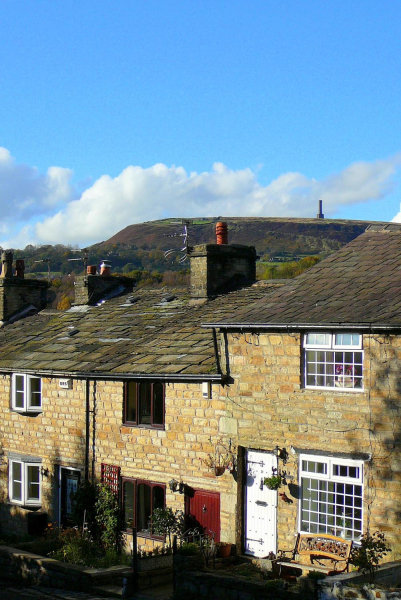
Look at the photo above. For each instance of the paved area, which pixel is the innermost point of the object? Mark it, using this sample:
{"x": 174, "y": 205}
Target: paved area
{"x": 9, "y": 591}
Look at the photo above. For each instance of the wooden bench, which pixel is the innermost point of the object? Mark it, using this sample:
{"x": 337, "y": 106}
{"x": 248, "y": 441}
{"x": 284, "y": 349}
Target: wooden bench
{"x": 317, "y": 547}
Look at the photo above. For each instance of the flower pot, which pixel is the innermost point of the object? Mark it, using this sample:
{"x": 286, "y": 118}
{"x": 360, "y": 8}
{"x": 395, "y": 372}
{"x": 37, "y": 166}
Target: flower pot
{"x": 218, "y": 471}
{"x": 223, "y": 551}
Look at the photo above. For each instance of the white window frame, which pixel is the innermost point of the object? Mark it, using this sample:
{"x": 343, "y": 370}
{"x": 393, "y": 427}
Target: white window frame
{"x": 24, "y": 500}
{"x": 340, "y": 380}
{"x": 27, "y": 393}
{"x": 331, "y": 462}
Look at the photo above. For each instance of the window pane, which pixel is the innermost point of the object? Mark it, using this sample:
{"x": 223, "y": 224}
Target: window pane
{"x": 318, "y": 339}
{"x": 16, "y": 475}
{"x": 128, "y": 504}
{"x": 33, "y": 482}
{"x": 158, "y": 497}
{"x": 36, "y": 392}
{"x": 144, "y": 506}
{"x": 130, "y": 406}
{"x": 348, "y": 339}
{"x": 145, "y": 403}
{"x": 19, "y": 382}
{"x": 158, "y": 404}
{"x": 17, "y": 490}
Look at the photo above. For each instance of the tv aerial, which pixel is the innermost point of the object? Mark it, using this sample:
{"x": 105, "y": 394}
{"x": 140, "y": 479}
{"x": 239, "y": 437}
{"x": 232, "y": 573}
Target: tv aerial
{"x": 45, "y": 260}
{"x": 186, "y": 249}
{"x": 84, "y": 257}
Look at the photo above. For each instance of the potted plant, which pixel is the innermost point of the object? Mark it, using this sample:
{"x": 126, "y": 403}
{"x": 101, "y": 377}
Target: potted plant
{"x": 222, "y": 459}
{"x": 274, "y": 482}
{"x": 223, "y": 549}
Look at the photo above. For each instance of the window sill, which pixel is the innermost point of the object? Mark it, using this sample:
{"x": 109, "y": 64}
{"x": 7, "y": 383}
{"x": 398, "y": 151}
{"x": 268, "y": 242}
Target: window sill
{"x": 136, "y": 426}
{"x": 145, "y": 535}
{"x": 351, "y": 390}
{"x": 24, "y": 506}
{"x": 30, "y": 412}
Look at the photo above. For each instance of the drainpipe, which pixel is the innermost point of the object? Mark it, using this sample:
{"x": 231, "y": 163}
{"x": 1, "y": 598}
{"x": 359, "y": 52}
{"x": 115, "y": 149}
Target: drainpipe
{"x": 87, "y": 429}
{"x": 94, "y": 432}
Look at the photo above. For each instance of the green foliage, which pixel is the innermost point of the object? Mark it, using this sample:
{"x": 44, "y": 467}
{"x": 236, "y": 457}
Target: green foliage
{"x": 188, "y": 549}
{"x": 316, "y": 575}
{"x": 77, "y": 549}
{"x": 287, "y": 270}
{"x": 98, "y": 505}
{"x": 167, "y": 522}
{"x": 107, "y": 518}
{"x": 373, "y": 548}
{"x": 273, "y": 483}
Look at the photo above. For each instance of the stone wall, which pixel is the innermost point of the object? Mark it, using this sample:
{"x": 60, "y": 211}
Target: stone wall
{"x": 39, "y": 570}
{"x": 214, "y": 266}
{"x": 266, "y": 404}
{"x": 56, "y": 435}
{"x": 15, "y": 293}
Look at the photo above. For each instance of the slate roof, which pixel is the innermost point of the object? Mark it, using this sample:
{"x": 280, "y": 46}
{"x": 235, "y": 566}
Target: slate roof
{"x": 360, "y": 285}
{"x": 136, "y": 334}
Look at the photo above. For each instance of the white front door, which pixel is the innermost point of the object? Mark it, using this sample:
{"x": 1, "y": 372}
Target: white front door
{"x": 260, "y": 505}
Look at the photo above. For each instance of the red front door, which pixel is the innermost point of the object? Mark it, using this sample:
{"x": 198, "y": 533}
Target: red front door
{"x": 204, "y": 510}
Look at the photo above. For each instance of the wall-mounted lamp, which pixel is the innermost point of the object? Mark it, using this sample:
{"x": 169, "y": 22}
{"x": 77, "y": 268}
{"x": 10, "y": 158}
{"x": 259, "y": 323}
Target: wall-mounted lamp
{"x": 281, "y": 453}
{"x": 44, "y": 472}
{"x": 173, "y": 485}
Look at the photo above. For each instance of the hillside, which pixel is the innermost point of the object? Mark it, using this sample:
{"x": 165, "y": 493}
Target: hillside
{"x": 270, "y": 236}
{"x": 142, "y": 246}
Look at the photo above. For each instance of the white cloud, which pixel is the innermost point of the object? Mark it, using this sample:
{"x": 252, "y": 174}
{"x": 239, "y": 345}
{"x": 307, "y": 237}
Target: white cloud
{"x": 26, "y": 193}
{"x": 138, "y": 195}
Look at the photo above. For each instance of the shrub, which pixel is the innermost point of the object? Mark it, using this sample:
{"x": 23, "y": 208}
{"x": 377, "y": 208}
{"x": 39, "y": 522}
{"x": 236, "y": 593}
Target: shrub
{"x": 167, "y": 522}
{"x": 367, "y": 556}
{"x": 188, "y": 549}
{"x": 316, "y": 575}
{"x": 107, "y": 518}
{"x": 77, "y": 549}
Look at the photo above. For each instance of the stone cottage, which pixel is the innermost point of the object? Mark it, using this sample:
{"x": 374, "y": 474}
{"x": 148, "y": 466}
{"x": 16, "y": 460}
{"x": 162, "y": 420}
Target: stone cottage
{"x": 137, "y": 387}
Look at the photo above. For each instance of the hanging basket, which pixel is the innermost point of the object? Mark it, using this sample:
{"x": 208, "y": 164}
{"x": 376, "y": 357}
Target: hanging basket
{"x": 218, "y": 471}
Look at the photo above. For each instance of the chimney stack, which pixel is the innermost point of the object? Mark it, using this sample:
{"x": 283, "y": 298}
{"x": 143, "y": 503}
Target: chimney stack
{"x": 17, "y": 293}
{"x": 221, "y": 267}
{"x": 320, "y": 214}
{"x": 92, "y": 288}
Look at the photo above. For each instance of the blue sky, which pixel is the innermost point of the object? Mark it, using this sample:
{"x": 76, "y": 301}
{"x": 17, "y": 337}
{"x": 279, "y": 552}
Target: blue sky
{"x": 116, "y": 112}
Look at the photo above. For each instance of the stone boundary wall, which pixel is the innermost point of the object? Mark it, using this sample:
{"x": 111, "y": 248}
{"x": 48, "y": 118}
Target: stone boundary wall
{"x": 342, "y": 586}
{"x": 39, "y": 570}
{"x": 215, "y": 586}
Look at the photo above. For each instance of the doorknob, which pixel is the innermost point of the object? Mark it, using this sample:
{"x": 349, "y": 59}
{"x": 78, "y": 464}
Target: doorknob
{"x": 204, "y": 508}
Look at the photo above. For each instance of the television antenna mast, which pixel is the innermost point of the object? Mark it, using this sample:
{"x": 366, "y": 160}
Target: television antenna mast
{"x": 45, "y": 260}
{"x": 84, "y": 257}
{"x": 186, "y": 249}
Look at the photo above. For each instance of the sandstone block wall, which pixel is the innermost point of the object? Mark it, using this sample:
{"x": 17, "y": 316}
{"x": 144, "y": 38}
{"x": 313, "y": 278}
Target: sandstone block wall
{"x": 270, "y": 407}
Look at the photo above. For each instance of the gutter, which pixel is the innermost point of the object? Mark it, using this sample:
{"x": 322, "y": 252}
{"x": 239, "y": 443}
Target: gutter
{"x": 215, "y": 378}
{"x": 302, "y": 326}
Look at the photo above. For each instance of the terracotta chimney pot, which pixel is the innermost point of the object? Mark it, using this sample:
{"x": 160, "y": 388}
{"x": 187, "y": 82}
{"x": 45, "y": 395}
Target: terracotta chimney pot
{"x": 221, "y": 233}
{"x": 91, "y": 270}
{"x": 20, "y": 268}
{"x": 105, "y": 267}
